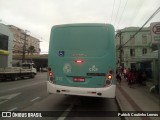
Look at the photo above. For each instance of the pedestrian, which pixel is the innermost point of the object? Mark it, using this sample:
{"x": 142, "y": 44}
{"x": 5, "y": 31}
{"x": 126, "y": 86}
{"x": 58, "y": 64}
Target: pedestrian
{"x": 144, "y": 77}
{"x": 139, "y": 77}
{"x": 130, "y": 78}
{"x": 125, "y": 73}
{"x": 119, "y": 78}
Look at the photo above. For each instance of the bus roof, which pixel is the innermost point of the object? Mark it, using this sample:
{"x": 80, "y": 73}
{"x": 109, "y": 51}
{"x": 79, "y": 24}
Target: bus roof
{"x": 83, "y": 24}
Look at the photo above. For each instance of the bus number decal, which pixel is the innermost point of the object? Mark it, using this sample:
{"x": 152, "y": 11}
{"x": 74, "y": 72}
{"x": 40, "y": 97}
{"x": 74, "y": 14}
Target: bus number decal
{"x": 59, "y": 78}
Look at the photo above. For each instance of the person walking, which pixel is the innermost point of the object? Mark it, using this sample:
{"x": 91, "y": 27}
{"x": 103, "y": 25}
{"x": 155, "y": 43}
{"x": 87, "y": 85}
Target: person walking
{"x": 144, "y": 78}
{"x": 119, "y": 78}
{"x": 125, "y": 73}
{"x": 130, "y": 78}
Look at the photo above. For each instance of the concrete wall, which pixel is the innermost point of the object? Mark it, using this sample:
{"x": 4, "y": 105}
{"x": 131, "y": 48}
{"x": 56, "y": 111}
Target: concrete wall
{"x": 3, "y": 61}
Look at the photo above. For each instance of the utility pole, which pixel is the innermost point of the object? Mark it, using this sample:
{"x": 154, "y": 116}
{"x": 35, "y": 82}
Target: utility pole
{"x": 121, "y": 50}
{"x": 155, "y": 32}
{"x": 24, "y": 44}
{"x": 159, "y": 66}
{"x": 119, "y": 33}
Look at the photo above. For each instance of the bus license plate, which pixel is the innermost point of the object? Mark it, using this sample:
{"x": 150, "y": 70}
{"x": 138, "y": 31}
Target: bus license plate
{"x": 78, "y": 79}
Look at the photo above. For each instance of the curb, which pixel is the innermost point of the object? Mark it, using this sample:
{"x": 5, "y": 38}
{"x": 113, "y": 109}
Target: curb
{"x": 121, "y": 107}
{"x": 123, "y": 99}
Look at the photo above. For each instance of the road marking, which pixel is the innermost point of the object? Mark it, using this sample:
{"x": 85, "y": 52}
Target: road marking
{"x": 26, "y": 86}
{"x": 3, "y": 101}
{"x": 3, "y": 91}
{"x": 12, "y": 89}
{"x": 5, "y": 98}
{"x": 66, "y": 112}
{"x": 9, "y": 96}
{"x": 35, "y": 99}
{"x": 13, "y": 109}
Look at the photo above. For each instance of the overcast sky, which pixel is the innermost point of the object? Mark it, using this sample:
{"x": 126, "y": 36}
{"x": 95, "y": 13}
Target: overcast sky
{"x": 38, "y": 16}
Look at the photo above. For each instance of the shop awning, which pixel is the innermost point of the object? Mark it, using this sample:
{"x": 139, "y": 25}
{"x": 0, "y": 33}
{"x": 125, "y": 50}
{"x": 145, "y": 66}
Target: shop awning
{"x": 4, "y": 52}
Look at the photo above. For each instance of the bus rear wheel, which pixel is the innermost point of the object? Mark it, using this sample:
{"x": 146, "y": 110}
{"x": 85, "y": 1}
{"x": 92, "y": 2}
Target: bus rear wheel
{"x": 14, "y": 77}
{"x": 32, "y": 75}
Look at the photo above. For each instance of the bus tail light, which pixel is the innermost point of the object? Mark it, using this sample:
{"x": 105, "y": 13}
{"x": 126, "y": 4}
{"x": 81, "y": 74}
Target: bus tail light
{"x": 79, "y": 61}
{"x": 111, "y": 71}
{"x": 109, "y": 78}
{"x": 51, "y": 75}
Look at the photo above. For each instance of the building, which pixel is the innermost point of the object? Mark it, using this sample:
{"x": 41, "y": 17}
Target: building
{"x": 136, "y": 46}
{"x": 6, "y": 42}
{"x": 32, "y": 41}
{"x": 22, "y": 41}
{"x": 140, "y": 52}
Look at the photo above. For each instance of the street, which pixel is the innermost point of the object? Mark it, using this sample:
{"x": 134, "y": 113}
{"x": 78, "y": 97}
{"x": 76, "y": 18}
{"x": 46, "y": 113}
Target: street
{"x": 31, "y": 95}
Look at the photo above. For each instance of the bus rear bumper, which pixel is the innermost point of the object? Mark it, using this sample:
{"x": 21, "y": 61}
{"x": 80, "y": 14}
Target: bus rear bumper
{"x": 107, "y": 92}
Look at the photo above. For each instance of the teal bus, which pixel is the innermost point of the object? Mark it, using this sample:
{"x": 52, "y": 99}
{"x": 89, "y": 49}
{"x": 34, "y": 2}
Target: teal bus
{"x": 81, "y": 60}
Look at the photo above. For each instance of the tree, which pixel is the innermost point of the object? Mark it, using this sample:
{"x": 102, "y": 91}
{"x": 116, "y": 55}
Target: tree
{"x": 31, "y": 49}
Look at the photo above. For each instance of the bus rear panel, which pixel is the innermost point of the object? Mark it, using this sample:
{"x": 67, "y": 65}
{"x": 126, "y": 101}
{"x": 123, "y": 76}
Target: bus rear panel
{"x": 81, "y": 60}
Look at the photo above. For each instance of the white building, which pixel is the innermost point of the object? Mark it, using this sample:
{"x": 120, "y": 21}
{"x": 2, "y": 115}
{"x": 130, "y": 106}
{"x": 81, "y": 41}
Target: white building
{"x": 139, "y": 52}
{"x": 136, "y": 46}
{"x": 19, "y": 38}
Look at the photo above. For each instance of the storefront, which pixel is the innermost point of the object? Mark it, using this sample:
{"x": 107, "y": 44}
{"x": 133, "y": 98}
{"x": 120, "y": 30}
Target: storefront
{"x": 148, "y": 63}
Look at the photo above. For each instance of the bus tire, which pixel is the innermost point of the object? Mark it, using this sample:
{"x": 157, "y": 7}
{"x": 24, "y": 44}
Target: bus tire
{"x": 14, "y": 77}
{"x": 32, "y": 75}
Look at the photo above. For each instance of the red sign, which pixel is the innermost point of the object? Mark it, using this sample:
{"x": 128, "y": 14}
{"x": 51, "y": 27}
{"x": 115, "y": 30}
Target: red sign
{"x": 156, "y": 29}
{"x": 79, "y": 79}
{"x": 155, "y": 32}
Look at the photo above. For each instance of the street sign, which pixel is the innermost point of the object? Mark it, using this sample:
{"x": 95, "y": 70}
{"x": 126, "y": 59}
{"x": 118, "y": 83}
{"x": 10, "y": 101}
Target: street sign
{"x": 155, "y": 31}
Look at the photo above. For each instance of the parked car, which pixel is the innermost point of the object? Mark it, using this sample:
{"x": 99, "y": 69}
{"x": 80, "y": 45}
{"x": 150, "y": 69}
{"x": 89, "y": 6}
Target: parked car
{"x": 44, "y": 69}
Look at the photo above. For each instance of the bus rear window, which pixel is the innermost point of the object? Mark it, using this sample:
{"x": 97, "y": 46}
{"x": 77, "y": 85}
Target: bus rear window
{"x": 81, "y": 38}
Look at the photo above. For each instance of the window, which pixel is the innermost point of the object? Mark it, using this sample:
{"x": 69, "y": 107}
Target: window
{"x": 144, "y": 50}
{"x": 144, "y": 39}
{"x": 132, "y": 52}
{"x": 3, "y": 42}
{"x": 154, "y": 47}
{"x": 81, "y": 37}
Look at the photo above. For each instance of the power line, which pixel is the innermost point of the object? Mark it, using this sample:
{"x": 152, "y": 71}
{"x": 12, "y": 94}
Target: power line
{"x": 136, "y": 12}
{"x": 112, "y": 11}
{"x": 122, "y": 14}
{"x": 117, "y": 11}
{"x": 142, "y": 26}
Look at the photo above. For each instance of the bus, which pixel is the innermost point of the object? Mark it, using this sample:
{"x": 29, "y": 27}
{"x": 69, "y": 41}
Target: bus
{"x": 82, "y": 60}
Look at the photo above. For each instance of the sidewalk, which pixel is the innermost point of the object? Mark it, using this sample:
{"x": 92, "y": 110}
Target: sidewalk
{"x": 137, "y": 98}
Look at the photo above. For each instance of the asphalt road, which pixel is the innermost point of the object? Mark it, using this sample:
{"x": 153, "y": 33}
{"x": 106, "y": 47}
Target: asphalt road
{"x": 31, "y": 95}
